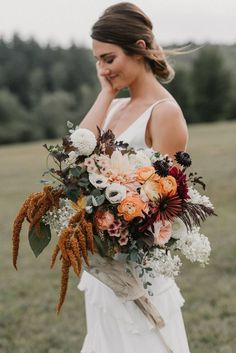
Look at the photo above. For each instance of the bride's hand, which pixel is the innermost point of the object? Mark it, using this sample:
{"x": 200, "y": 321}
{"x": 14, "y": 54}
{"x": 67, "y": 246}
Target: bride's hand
{"x": 106, "y": 85}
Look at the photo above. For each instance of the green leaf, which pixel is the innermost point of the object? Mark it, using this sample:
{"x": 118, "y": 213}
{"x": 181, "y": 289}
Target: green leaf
{"x": 83, "y": 182}
{"x": 76, "y": 172}
{"x": 39, "y": 238}
{"x": 96, "y": 193}
{"x": 101, "y": 245}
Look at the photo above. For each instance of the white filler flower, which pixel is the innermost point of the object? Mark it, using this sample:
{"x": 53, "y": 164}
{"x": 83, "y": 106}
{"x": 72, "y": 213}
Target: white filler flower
{"x": 195, "y": 246}
{"x": 115, "y": 193}
{"x": 179, "y": 229}
{"x": 84, "y": 140}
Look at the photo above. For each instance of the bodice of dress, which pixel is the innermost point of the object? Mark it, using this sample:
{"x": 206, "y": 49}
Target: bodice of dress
{"x": 134, "y": 135}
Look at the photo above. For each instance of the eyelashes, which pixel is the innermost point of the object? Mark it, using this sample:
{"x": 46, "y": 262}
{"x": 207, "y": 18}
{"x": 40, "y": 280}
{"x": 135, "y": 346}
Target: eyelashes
{"x": 110, "y": 61}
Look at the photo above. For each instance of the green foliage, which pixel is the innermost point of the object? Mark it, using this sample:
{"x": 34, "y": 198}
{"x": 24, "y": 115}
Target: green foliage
{"x": 39, "y": 238}
{"x": 211, "y": 85}
{"x": 42, "y": 87}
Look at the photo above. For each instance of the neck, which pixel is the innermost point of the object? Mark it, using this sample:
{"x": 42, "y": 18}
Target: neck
{"x": 146, "y": 88}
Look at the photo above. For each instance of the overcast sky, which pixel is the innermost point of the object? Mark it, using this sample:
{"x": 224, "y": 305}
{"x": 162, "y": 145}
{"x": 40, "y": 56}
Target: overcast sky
{"x": 61, "y": 21}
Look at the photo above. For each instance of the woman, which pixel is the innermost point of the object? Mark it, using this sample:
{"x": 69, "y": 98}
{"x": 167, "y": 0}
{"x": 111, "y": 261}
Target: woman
{"x": 129, "y": 57}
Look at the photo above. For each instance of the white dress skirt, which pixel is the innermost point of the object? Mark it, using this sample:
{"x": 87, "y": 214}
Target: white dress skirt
{"x": 115, "y": 325}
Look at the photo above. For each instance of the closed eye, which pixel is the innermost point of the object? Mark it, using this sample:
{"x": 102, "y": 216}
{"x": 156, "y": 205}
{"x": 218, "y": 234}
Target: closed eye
{"x": 110, "y": 61}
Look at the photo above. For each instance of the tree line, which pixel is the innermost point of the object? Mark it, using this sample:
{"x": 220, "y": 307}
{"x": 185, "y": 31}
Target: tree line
{"x": 43, "y": 87}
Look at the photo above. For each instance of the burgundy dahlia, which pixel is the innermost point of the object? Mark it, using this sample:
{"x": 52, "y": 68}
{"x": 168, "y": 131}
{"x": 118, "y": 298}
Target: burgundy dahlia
{"x": 182, "y": 186}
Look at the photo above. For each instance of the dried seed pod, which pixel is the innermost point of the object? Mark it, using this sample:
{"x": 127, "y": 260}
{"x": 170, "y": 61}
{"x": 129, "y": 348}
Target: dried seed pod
{"x": 82, "y": 243}
{"x": 54, "y": 256}
{"x": 65, "y": 269}
{"x": 18, "y": 222}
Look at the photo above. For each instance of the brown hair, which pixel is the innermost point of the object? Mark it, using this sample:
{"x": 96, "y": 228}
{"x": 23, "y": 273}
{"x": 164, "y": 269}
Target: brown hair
{"x": 123, "y": 24}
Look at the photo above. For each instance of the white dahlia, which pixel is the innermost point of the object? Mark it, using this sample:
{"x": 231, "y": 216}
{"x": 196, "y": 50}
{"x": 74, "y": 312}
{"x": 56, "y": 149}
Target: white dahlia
{"x": 84, "y": 140}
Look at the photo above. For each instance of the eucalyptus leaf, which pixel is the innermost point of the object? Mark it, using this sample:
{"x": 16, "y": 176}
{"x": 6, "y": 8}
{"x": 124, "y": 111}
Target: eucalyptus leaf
{"x": 98, "y": 201}
{"x": 96, "y": 192}
{"x": 76, "y": 172}
{"x": 39, "y": 237}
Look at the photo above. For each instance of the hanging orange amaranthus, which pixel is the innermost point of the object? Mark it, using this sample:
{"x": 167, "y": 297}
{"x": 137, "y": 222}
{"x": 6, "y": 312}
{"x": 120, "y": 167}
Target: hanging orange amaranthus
{"x": 74, "y": 243}
{"x": 33, "y": 209}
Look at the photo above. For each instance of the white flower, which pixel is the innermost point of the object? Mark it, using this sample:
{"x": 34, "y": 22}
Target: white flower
{"x": 115, "y": 193}
{"x": 84, "y": 140}
{"x": 58, "y": 218}
{"x": 163, "y": 264}
{"x": 98, "y": 180}
{"x": 72, "y": 157}
{"x": 196, "y": 197}
{"x": 179, "y": 229}
{"x": 195, "y": 246}
{"x": 140, "y": 159}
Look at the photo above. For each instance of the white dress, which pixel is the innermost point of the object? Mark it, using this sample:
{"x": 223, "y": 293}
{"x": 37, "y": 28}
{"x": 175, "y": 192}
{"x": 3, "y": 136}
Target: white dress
{"x": 116, "y": 326}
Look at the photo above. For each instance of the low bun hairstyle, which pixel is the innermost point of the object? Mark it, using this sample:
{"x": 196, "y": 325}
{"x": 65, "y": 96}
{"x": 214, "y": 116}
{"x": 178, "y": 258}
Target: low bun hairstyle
{"x": 123, "y": 24}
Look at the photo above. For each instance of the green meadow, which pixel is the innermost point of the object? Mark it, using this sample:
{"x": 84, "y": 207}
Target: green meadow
{"x": 28, "y": 297}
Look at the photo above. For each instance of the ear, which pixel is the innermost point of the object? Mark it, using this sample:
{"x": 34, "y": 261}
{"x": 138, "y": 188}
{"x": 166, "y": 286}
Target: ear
{"x": 141, "y": 43}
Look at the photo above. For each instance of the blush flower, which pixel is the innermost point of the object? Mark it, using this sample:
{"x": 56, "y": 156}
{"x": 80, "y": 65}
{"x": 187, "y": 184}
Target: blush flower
{"x": 162, "y": 233}
{"x": 152, "y": 188}
{"x": 103, "y": 219}
{"x": 143, "y": 173}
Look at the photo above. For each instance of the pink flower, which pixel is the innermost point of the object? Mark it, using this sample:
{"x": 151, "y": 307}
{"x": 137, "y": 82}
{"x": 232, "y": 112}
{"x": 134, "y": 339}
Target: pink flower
{"x": 162, "y": 233}
{"x": 103, "y": 219}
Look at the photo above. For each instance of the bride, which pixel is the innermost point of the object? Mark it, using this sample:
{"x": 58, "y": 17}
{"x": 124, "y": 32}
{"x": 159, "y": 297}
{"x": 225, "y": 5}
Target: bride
{"x": 129, "y": 57}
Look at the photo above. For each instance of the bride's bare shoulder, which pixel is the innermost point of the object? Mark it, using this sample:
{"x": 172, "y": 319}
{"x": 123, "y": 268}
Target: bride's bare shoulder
{"x": 168, "y": 128}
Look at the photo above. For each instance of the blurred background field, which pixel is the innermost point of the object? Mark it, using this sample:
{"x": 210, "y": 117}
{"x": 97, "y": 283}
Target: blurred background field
{"x": 28, "y": 322}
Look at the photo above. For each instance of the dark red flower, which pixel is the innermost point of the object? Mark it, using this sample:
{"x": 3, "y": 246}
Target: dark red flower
{"x": 168, "y": 207}
{"x": 182, "y": 186}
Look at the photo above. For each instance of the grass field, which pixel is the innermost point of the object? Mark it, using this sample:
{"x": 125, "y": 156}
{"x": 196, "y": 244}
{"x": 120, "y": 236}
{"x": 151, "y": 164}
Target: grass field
{"x": 28, "y": 323}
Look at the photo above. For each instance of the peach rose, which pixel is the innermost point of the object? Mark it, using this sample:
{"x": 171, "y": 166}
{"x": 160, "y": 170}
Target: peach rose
{"x": 168, "y": 185}
{"x": 143, "y": 173}
{"x": 152, "y": 188}
{"x": 162, "y": 233}
{"x": 103, "y": 219}
{"x": 131, "y": 207}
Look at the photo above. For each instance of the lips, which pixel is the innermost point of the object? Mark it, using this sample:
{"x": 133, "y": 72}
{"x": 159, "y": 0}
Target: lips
{"x": 112, "y": 77}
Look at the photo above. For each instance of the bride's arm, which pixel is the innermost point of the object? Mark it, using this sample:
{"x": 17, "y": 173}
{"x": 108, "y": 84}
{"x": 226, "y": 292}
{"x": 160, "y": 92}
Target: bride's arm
{"x": 96, "y": 115}
{"x": 168, "y": 129}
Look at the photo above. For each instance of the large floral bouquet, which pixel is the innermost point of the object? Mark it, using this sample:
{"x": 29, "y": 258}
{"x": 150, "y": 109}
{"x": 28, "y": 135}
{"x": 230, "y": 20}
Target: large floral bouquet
{"x": 121, "y": 210}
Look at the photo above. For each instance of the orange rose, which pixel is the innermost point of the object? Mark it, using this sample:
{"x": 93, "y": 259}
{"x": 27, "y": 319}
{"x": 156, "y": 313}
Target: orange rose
{"x": 131, "y": 207}
{"x": 143, "y": 173}
{"x": 103, "y": 219}
{"x": 168, "y": 185}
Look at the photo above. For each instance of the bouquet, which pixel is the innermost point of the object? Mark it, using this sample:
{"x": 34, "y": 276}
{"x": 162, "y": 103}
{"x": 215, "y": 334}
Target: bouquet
{"x": 120, "y": 213}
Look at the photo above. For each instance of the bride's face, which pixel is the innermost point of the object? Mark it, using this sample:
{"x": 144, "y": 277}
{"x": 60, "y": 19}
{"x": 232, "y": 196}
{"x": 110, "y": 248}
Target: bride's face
{"x": 120, "y": 69}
